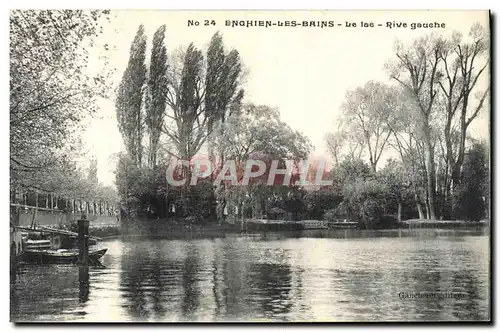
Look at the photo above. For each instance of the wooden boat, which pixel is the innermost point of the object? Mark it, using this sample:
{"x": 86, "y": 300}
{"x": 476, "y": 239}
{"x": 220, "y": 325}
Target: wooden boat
{"x": 314, "y": 224}
{"x": 50, "y": 238}
{"x": 68, "y": 256}
{"x": 265, "y": 225}
{"x": 37, "y": 244}
{"x": 343, "y": 224}
{"x": 284, "y": 225}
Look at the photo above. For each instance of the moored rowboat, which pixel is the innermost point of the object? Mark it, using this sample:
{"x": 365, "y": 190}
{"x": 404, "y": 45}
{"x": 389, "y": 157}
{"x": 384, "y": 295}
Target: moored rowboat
{"x": 37, "y": 245}
{"x": 59, "y": 256}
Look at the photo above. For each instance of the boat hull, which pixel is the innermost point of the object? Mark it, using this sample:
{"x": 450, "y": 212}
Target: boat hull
{"x": 59, "y": 256}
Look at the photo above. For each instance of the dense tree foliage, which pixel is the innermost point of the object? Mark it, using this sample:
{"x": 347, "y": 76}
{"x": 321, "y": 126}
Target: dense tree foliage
{"x": 424, "y": 118}
{"x": 364, "y": 114}
{"x": 129, "y": 100}
{"x": 179, "y": 105}
{"x": 156, "y": 94}
{"x": 192, "y": 102}
{"x": 52, "y": 89}
{"x": 471, "y": 196}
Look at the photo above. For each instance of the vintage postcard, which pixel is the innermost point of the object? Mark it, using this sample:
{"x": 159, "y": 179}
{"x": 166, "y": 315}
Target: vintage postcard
{"x": 250, "y": 166}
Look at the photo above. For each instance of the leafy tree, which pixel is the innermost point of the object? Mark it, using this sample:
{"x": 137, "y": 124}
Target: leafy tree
{"x": 350, "y": 170}
{"x": 416, "y": 70}
{"x": 258, "y": 133}
{"x": 201, "y": 92}
{"x": 399, "y": 193}
{"x": 406, "y": 141}
{"x": 129, "y": 100}
{"x": 183, "y": 99}
{"x": 259, "y": 129}
{"x": 129, "y": 187}
{"x": 470, "y": 196}
{"x": 365, "y": 112}
{"x": 157, "y": 88}
{"x": 51, "y": 90}
{"x": 323, "y": 203}
{"x": 366, "y": 202}
{"x": 223, "y": 79}
{"x": 463, "y": 65}
{"x": 334, "y": 143}
{"x": 187, "y": 128}
{"x": 344, "y": 142}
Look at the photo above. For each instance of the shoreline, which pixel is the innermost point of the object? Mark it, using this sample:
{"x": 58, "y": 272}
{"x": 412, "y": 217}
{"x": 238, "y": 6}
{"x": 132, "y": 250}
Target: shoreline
{"x": 313, "y": 233}
{"x": 168, "y": 230}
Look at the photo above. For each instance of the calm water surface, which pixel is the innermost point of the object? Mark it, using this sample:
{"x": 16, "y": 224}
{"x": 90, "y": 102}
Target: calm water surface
{"x": 325, "y": 276}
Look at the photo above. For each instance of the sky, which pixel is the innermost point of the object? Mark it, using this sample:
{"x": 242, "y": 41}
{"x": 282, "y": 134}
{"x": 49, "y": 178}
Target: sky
{"x": 303, "y": 71}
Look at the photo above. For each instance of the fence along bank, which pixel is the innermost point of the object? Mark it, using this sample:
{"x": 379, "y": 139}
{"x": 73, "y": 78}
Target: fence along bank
{"x": 50, "y": 209}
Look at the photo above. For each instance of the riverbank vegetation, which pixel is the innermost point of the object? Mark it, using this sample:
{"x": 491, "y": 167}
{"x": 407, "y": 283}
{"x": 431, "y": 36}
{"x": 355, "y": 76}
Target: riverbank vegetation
{"x": 402, "y": 148}
{"x": 193, "y": 101}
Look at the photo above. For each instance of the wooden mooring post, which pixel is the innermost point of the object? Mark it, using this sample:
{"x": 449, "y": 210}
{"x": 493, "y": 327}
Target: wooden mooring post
{"x": 83, "y": 258}
{"x": 84, "y": 284}
{"x": 83, "y": 240}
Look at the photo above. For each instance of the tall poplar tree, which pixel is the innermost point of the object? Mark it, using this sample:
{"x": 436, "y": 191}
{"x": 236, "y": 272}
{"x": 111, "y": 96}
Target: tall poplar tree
{"x": 157, "y": 85}
{"x": 129, "y": 99}
{"x": 223, "y": 93}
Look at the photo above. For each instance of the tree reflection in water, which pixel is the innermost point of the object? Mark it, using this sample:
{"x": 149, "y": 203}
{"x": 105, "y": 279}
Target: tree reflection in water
{"x": 273, "y": 286}
{"x": 191, "y": 294}
{"x": 292, "y": 279}
{"x": 84, "y": 283}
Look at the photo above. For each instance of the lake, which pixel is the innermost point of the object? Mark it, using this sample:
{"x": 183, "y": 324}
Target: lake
{"x": 344, "y": 275}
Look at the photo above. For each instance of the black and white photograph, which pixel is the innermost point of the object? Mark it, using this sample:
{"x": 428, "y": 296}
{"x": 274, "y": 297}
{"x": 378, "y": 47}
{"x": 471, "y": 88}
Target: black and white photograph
{"x": 250, "y": 166}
